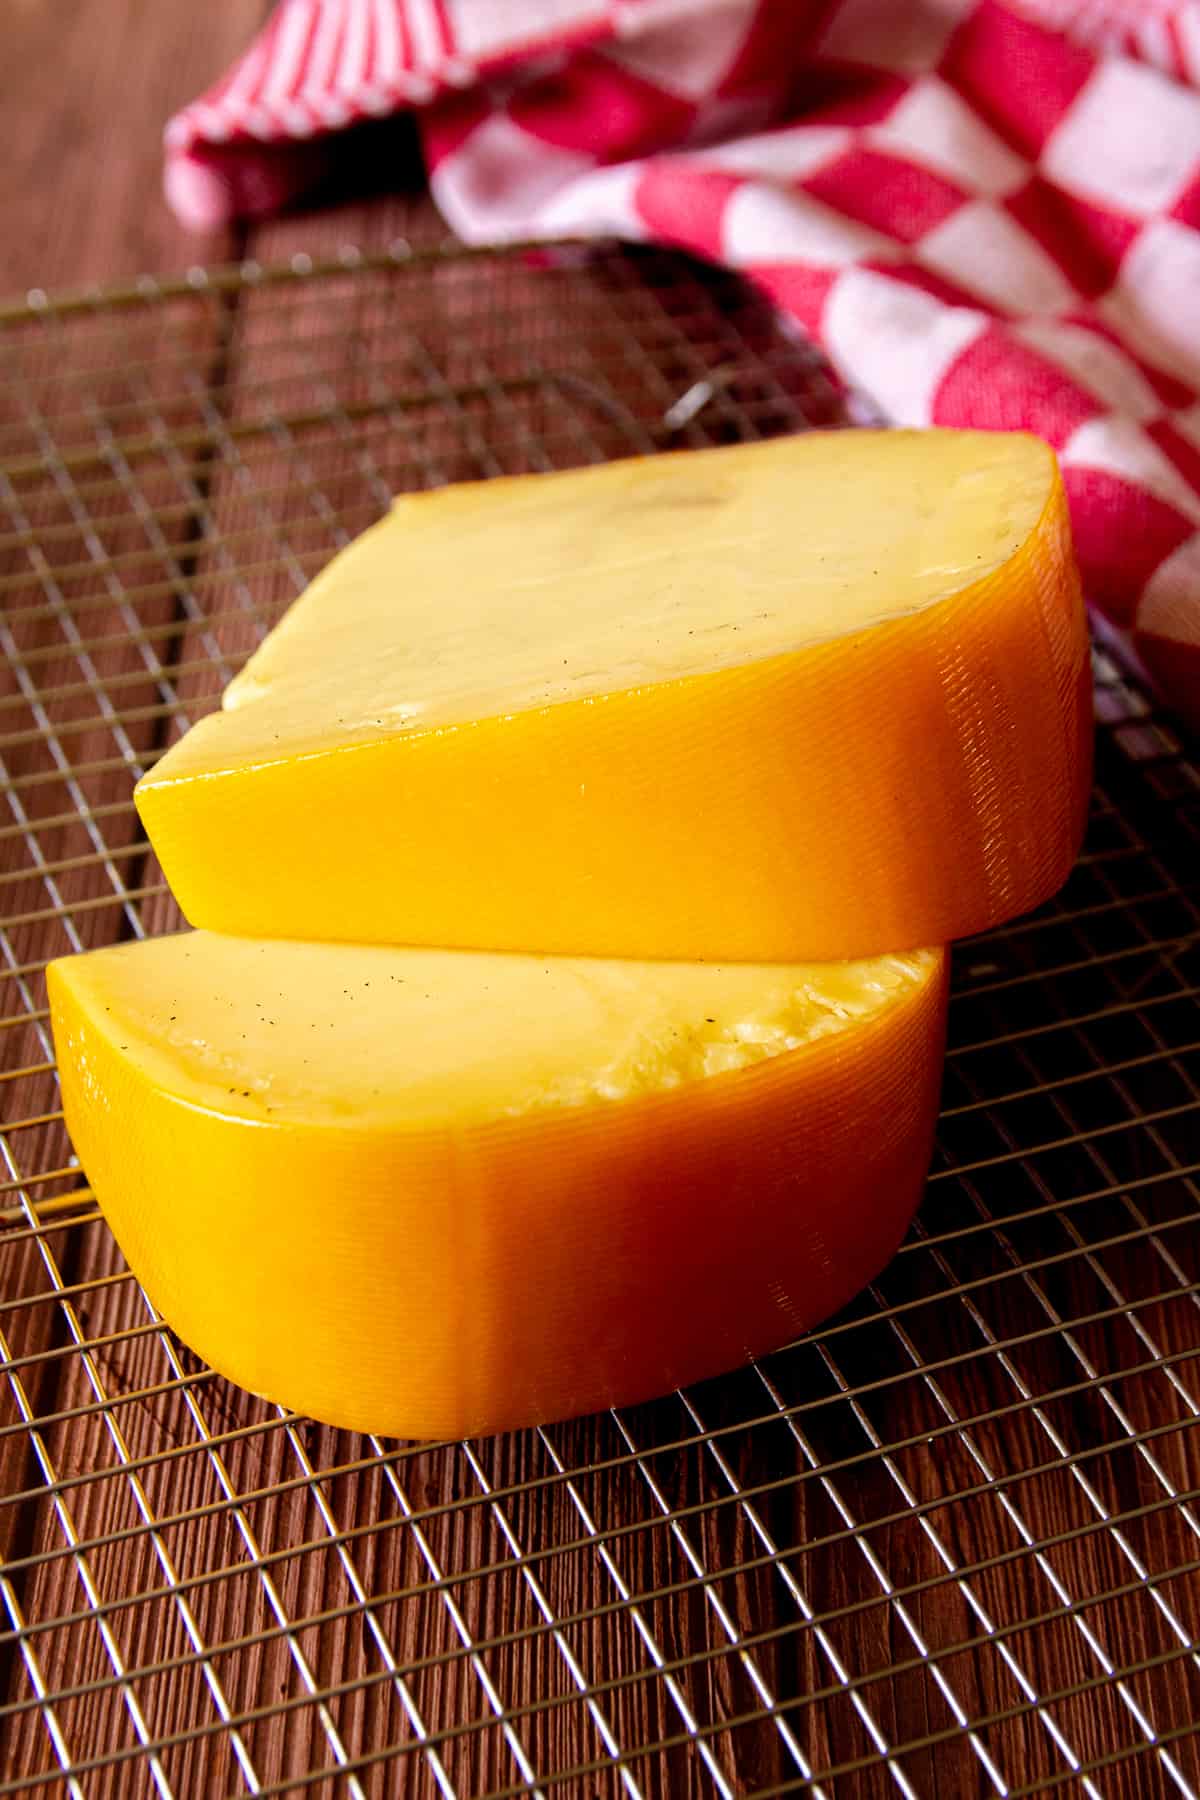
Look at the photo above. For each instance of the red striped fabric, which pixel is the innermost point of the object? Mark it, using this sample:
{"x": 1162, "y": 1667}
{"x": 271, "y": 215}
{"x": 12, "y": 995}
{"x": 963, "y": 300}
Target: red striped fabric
{"x": 986, "y": 213}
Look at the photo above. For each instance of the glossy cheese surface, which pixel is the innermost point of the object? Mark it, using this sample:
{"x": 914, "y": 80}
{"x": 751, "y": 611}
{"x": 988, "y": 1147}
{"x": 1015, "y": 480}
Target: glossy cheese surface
{"x": 491, "y": 598}
{"x": 820, "y": 697}
{"x": 434, "y": 1193}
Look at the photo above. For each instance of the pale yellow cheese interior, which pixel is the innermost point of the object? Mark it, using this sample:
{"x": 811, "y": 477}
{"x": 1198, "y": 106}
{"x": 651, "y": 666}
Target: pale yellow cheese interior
{"x": 486, "y": 599}
{"x": 325, "y": 1034}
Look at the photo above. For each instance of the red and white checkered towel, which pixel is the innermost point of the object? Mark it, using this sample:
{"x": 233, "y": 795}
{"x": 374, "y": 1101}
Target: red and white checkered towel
{"x": 988, "y": 214}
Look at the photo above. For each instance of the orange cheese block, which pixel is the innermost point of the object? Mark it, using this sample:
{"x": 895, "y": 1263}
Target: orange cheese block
{"x": 437, "y": 1193}
{"x": 815, "y": 698}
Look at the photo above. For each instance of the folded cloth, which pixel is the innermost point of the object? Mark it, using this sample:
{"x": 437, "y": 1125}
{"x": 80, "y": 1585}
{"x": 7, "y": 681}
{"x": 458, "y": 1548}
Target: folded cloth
{"x": 987, "y": 214}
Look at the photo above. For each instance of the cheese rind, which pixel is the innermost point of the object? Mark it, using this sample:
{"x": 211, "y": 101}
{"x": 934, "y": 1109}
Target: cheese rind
{"x": 437, "y": 1193}
{"x": 822, "y": 697}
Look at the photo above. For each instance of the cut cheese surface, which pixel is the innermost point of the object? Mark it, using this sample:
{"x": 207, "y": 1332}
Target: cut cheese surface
{"x": 314, "y": 1033}
{"x": 823, "y": 696}
{"x": 497, "y": 597}
{"x": 433, "y": 1193}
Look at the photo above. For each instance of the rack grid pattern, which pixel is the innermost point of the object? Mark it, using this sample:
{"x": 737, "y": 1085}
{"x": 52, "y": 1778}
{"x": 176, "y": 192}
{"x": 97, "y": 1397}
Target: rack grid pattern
{"x": 948, "y": 1544}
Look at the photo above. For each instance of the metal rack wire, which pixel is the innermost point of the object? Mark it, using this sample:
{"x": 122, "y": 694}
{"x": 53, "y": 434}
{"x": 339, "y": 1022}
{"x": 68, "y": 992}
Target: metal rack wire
{"x": 949, "y": 1544}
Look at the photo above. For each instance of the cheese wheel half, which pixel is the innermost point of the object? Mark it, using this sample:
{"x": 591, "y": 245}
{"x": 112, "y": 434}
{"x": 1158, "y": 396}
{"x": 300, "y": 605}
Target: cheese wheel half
{"x": 822, "y": 697}
{"x": 438, "y": 1193}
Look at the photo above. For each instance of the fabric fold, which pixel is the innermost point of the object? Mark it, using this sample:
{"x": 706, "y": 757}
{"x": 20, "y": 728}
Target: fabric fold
{"x": 986, "y": 214}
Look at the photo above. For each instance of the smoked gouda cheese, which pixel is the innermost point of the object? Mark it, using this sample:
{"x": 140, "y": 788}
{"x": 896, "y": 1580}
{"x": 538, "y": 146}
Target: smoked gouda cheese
{"x": 821, "y": 697}
{"x": 434, "y": 1193}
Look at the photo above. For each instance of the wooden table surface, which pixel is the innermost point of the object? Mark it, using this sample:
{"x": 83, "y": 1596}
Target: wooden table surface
{"x": 897, "y": 1538}
{"x": 85, "y": 93}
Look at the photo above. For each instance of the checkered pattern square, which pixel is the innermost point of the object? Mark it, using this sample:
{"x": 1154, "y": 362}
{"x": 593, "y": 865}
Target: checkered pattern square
{"x": 934, "y": 128}
{"x": 896, "y": 195}
{"x": 1086, "y": 239}
{"x": 987, "y": 211}
{"x": 1130, "y": 141}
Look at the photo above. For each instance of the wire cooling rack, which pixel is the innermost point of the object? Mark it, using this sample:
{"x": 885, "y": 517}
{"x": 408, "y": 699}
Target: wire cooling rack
{"x": 948, "y": 1545}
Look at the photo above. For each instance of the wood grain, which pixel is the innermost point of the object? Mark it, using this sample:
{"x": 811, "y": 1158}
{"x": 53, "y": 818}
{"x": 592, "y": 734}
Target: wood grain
{"x": 85, "y": 93}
